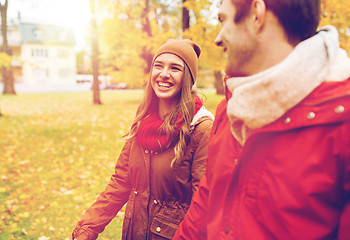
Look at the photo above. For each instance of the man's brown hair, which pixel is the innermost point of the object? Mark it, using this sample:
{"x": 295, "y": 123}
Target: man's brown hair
{"x": 299, "y": 18}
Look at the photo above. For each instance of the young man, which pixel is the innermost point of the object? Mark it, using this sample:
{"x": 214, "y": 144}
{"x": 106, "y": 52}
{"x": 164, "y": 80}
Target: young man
{"x": 278, "y": 162}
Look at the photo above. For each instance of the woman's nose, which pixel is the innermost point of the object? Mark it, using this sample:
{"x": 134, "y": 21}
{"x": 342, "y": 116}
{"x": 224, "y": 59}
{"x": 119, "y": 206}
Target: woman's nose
{"x": 165, "y": 73}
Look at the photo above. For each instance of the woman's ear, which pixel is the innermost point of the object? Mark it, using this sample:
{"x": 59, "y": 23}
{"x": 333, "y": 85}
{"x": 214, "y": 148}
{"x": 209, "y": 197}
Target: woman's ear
{"x": 258, "y": 14}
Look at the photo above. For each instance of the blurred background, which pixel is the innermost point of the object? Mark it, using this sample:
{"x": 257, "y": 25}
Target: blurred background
{"x": 53, "y": 43}
{"x": 71, "y": 78}
{"x": 58, "y": 43}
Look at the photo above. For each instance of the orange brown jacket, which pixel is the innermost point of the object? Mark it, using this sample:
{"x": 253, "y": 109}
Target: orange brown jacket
{"x": 157, "y": 195}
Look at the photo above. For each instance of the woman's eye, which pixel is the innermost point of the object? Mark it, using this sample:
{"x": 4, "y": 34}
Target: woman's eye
{"x": 158, "y": 66}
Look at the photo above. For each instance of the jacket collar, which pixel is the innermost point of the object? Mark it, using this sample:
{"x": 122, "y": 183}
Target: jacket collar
{"x": 263, "y": 98}
{"x": 202, "y": 112}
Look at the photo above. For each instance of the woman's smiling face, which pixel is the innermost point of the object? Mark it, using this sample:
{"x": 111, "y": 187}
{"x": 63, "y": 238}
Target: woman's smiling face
{"x": 167, "y": 76}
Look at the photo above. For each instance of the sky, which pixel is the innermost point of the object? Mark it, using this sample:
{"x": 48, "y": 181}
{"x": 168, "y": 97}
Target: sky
{"x": 71, "y": 13}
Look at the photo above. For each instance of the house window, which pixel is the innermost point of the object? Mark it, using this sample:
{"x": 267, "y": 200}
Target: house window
{"x": 41, "y": 74}
{"x": 64, "y": 73}
{"x": 63, "y": 53}
{"x": 38, "y": 33}
{"x": 39, "y": 52}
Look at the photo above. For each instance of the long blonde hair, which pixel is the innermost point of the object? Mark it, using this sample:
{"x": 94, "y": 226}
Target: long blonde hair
{"x": 185, "y": 107}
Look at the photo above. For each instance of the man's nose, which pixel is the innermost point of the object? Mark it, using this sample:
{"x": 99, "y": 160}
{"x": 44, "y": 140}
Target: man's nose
{"x": 218, "y": 40}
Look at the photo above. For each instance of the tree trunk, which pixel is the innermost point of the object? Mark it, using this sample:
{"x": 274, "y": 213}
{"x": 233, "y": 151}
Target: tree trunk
{"x": 95, "y": 55}
{"x": 185, "y": 17}
{"x": 8, "y": 79}
{"x": 7, "y": 73}
{"x": 146, "y": 53}
{"x": 219, "y": 85}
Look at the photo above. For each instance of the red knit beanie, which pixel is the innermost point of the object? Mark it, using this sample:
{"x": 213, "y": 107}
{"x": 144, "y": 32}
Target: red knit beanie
{"x": 185, "y": 49}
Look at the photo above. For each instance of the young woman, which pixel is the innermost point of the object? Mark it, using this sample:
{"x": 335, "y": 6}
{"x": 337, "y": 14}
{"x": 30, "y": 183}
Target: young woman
{"x": 164, "y": 156}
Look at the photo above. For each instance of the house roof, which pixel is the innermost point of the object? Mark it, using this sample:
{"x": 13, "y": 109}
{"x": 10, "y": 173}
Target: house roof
{"x": 48, "y": 34}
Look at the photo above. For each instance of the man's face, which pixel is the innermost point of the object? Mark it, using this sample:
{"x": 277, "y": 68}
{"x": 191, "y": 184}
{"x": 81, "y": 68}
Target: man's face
{"x": 236, "y": 40}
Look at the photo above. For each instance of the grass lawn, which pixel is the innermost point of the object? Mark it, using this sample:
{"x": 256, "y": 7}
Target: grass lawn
{"x": 57, "y": 152}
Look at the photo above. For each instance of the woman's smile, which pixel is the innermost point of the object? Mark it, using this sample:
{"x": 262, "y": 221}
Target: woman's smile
{"x": 165, "y": 85}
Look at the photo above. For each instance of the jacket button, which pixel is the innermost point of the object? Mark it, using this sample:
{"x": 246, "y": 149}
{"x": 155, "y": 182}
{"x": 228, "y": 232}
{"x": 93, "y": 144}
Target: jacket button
{"x": 287, "y": 120}
{"x": 311, "y": 115}
{"x": 339, "y": 109}
{"x": 158, "y": 229}
{"x": 236, "y": 161}
{"x": 155, "y": 202}
{"x": 226, "y": 230}
{"x": 146, "y": 151}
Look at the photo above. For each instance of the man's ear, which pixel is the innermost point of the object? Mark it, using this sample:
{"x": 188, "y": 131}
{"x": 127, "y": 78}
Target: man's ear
{"x": 258, "y": 14}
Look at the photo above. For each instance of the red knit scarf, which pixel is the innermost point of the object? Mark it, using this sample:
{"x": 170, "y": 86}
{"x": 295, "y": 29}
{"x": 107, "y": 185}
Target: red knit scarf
{"x": 152, "y": 137}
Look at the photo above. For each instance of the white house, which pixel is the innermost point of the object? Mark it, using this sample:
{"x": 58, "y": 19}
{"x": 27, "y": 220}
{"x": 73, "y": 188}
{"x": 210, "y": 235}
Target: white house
{"x": 44, "y": 54}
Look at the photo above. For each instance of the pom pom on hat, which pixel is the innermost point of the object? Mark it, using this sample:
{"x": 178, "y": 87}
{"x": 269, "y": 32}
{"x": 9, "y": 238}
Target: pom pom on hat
{"x": 185, "y": 49}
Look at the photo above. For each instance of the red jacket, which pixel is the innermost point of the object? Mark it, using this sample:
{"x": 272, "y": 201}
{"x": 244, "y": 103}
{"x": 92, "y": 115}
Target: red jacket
{"x": 290, "y": 180}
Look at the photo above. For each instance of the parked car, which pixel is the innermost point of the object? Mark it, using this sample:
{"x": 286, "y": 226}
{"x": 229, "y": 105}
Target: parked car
{"x": 105, "y": 81}
{"x": 115, "y": 86}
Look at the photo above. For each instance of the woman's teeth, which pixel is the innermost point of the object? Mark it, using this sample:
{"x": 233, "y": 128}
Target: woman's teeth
{"x": 163, "y": 84}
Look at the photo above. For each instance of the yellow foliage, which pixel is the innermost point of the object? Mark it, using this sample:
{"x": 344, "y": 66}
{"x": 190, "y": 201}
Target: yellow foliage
{"x": 204, "y": 31}
{"x": 123, "y": 40}
{"x": 337, "y": 13}
{"x": 5, "y": 60}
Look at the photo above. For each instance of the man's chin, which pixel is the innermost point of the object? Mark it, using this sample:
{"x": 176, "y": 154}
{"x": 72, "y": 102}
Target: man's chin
{"x": 233, "y": 72}
{"x": 229, "y": 71}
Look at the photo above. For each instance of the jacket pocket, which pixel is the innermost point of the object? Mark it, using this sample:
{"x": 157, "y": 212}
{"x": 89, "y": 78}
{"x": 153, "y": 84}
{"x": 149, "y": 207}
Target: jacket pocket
{"x": 166, "y": 220}
{"x": 163, "y": 227}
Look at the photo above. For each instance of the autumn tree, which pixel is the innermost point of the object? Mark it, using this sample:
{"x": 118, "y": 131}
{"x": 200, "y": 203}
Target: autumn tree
{"x": 203, "y": 31}
{"x": 337, "y": 13}
{"x": 6, "y": 69}
{"x": 130, "y": 33}
{"x": 185, "y": 16}
{"x": 130, "y": 28}
{"x": 146, "y": 53}
{"x": 95, "y": 55}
